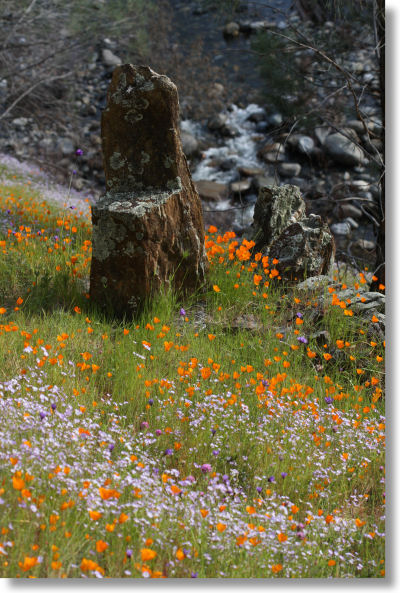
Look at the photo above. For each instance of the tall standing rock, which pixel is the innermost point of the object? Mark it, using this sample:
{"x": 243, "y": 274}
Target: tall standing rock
{"x": 148, "y": 228}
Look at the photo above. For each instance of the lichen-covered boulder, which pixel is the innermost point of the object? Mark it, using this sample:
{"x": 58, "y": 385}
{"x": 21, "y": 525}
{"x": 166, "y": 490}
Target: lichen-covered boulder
{"x": 305, "y": 248}
{"x": 148, "y": 228}
{"x": 275, "y": 209}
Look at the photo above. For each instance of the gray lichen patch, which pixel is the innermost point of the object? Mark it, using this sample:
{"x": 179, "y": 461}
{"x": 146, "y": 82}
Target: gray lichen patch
{"x": 137, "y": 203}
{"x": 130, "y": 249}
{"x": 175, "y": 185}
{"x": 117, "y": 161}
{"x": 168, "y": 161}
{"x": 106, "y": 234}
{"x": 117, "y": 206}
{"x": 145, "y": 158}
{"x": 143, "y": 84}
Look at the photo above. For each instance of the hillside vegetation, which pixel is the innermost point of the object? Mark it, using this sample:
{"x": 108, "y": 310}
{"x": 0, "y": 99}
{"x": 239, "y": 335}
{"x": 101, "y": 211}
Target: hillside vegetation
{"x": 237, "y": 434}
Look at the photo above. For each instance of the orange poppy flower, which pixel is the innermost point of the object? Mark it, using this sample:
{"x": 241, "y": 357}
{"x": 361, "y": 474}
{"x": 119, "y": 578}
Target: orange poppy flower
{"x": 147, "y": 554}
{"x": 101, "y": 546}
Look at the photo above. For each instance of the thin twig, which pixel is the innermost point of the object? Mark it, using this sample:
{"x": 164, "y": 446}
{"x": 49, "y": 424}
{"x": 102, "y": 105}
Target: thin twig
{"x": 43, "y": 81}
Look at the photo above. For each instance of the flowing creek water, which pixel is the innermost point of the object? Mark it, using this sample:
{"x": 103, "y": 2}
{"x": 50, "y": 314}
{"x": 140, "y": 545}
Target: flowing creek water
{"x": 226, "y": 154}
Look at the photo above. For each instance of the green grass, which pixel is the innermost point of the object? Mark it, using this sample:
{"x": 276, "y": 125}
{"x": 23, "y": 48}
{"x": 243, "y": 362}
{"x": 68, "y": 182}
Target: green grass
{"x": 216, "y": 472}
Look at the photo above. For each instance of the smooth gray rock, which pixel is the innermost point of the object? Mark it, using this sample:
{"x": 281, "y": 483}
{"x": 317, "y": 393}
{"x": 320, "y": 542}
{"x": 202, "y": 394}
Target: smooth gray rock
{"x": 275, "y": 119}
{"x": 321, "y": 134}
{"x": 240, "y": 187}
{"x": 343, "y": 151}
{"x": 217, "y": 121}
{"x": 231, "y": 30}
{"x": 352, "y": 222}
{"x": 346, "y": 209}
{"x": 250, "y": 171}
{"x": 341, "y": 229}
{"x": 20, "y": 122}
{"x": 289, "y": 169}
{"x": 67, "y": 146}
{"x": 190, "y": 144}
{"x": 362, "y": 248}
{"x": 301, "y": 143}
{"x": 212, "y": 190}
{"x": 257, "y": 117}
{"x": 261, "y": 181}
{"x": 110, "y": 59}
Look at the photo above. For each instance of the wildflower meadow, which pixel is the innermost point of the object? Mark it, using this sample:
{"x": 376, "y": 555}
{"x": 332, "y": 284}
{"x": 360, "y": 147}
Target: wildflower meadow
{"x": 239, "y": 433}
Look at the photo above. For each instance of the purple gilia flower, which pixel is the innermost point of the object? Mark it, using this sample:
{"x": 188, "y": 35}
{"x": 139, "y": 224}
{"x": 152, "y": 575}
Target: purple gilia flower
{"x": 271, "y": 479}
{"x": 301, "y": 535}
{"x": 53, "y": 406}
{"x": 151, "y": 401}
{"x": 129, "y": 553}
{"x": 182, "y": 312}
{"x": 79, "y": 152}
{"x": 259, "y": 489}
{"x": 265, "y": 382}
{"x": 205, "y": 468}
{"x": 158, "y": 432}
{"x": 168, "y": 452}
{"x": 42, "y": 415}
{"x": 194, "y": 575}
{"x": 213, "y": 431}
{"x": 144, "y": 425}
{"x": 299, "y": 315}
{"x": 302, "y": 339}
{"x": 111, "y": 447}
{"x": 216, "y": 452}
{"x": 328, "y": 400}
{"x": 284, "y": 474}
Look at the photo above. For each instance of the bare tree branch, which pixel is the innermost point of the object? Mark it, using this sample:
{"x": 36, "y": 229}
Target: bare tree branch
{"x": 30, "y": 89}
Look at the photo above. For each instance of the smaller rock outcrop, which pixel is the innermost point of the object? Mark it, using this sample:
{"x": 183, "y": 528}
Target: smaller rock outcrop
{"x": 303, "y": 246}
{"x": 275, "y": 209}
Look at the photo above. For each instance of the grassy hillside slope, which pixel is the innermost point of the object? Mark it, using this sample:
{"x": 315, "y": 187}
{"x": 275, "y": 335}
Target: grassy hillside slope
{"x": 237, "y": 434}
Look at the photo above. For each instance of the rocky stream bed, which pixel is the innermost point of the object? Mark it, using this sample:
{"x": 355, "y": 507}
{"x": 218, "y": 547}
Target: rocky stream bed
{"x": 235, "y": 142}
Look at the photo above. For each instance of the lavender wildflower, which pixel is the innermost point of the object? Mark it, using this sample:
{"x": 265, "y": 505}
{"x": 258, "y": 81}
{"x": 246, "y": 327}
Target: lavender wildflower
{"x": 205, "y": 468}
